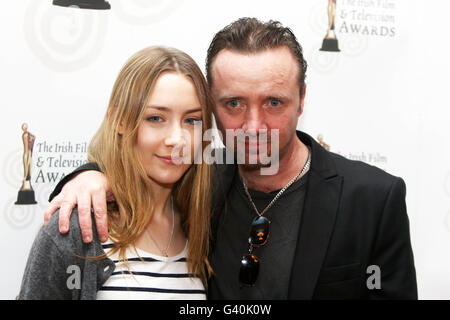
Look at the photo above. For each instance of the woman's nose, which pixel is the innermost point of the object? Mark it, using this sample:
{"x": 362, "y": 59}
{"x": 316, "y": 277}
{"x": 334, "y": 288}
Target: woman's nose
{"x": 176, "y": 137}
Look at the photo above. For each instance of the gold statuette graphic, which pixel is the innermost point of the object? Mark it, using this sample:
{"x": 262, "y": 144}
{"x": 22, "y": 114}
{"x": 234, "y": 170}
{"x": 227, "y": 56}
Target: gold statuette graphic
{"x": 322, "y": 143}
{"x": 330, "y": 43}
{"x": 26, "y": 192}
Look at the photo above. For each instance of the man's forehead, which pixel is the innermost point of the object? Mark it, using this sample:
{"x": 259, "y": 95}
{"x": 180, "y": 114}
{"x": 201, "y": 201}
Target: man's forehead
{"x": 270, "y": 67}
{"x": 270, "y": 55}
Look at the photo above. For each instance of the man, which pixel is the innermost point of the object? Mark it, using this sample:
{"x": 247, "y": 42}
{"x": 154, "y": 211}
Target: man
{"x": 338, "y": 228}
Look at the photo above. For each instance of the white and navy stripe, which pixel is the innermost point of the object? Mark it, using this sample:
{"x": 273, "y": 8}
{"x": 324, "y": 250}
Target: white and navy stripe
{"x": 150, "y": 277}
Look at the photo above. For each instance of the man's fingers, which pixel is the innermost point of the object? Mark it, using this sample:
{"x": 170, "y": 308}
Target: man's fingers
{"x": 79, "y": 191}
{"x": 84, "y": 216}
{"x": 65, "y": 211}
{"x": 54, "y": 205}
{"x": 100, "y": 213}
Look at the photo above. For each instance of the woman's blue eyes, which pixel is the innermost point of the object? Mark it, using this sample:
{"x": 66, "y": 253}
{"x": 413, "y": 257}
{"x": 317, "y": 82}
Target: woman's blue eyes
{"x": 154, "y": 119}
{"x": 192, "y": 121}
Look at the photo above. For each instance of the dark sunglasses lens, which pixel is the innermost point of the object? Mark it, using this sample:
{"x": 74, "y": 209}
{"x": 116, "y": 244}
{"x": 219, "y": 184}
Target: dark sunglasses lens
{"x": 249, "y": 270}
{"x": 259, "y": 232}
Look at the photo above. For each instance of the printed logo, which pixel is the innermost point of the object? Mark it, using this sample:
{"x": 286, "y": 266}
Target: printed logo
{"x": 144, "y": 12}
{"x": 330, "y": 43}
{"x": 322, "y": 143}
{"x": 55, "y": 159}
{"x": 83, "y": 4}
{"x": 354, "y": 22}
{"x": 26, "y": 192}
{"x": 64, "y": 39}
{"x": 368, "y": 17}
{"x": 373, "y": 158}
{"x": 18, "y": 217}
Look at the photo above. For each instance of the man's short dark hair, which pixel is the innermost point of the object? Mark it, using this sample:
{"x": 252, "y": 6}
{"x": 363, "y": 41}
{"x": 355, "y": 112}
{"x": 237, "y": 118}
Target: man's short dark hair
{"x": 249, "y": 35}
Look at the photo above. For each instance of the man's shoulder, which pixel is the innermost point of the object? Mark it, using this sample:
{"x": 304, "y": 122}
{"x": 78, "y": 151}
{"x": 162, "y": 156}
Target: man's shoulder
{"x": 366, "y": 189}
{"x": 361, "y": 173}
{"x": 355, "y": 171}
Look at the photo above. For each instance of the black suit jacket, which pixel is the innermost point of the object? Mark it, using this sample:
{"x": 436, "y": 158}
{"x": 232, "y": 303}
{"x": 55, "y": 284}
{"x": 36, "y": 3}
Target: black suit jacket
{"x": 354, "y": 216}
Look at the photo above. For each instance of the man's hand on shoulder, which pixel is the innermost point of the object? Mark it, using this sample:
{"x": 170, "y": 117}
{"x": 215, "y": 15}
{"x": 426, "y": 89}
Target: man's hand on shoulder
{"x": 88, "y": 189}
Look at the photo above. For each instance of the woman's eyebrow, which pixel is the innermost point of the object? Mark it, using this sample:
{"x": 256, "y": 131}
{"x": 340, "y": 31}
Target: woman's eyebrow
{"x": 194, "y": 110}
{"x": 160, "y": 108}
{"x": 166, "y": 109}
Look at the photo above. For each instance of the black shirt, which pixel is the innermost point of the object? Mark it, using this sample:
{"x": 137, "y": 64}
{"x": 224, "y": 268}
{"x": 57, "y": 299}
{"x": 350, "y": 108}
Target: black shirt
{"x": 276, "y": 256}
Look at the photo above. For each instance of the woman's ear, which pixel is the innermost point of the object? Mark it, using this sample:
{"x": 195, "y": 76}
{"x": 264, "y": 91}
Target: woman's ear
{"x": 121, "y": 128}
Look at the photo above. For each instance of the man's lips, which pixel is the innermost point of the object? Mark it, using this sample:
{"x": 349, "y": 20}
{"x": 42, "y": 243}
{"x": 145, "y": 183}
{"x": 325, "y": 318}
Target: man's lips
{"x": 254, "y": 140}
{"x": 257, "y": 145}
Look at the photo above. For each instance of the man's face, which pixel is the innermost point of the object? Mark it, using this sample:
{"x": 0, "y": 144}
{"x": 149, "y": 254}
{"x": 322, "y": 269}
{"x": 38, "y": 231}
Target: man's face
{"x": 257, "y": 91}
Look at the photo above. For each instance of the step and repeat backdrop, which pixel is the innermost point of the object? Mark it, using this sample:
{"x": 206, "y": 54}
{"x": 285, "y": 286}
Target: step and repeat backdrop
{"x": 376, "y": 92}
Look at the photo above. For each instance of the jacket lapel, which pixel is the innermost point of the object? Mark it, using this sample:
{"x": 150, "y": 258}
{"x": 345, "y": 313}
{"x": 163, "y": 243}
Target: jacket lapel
{"x": 319, "y": 212}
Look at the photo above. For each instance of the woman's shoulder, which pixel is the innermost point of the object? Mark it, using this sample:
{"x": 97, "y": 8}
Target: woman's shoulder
{"x": 71, "y": 241}
{"x": 57, "y": 260}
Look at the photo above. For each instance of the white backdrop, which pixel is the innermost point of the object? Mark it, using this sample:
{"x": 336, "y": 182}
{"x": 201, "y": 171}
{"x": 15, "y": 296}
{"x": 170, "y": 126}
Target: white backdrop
{"x": 382, "y": 99}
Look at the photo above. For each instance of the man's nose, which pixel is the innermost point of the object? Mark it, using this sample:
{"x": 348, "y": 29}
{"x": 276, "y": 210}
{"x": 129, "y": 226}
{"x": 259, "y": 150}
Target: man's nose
{"x": 254, "y": 120}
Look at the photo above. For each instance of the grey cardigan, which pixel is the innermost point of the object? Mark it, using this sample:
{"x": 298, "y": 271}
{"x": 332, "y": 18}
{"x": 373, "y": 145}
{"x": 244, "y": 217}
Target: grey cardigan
{"x": 53, "y": 270}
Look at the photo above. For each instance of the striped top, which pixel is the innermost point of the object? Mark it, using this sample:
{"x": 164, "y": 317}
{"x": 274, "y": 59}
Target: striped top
{"x": 152, "y": 277}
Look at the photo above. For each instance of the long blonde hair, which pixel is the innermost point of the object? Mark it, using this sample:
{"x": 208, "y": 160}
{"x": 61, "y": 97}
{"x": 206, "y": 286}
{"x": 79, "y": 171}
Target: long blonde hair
{"x": 114, "y": 152}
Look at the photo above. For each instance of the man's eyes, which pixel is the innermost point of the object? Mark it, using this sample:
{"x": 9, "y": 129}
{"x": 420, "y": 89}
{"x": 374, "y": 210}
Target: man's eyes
{"x": 236, "y": 103}
{"x": 274, "y": 102}
{"x": 233, "y": 103}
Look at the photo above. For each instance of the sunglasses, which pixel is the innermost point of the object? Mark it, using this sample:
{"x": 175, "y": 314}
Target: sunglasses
{"x": 259, "y": 234}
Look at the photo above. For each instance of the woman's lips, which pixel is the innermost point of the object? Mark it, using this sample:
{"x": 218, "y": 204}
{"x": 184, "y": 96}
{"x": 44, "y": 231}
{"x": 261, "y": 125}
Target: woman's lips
{"x": 170, "y": 160}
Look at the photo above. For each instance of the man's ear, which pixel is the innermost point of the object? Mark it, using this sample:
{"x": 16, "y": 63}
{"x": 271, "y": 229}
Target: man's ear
{"x": 302, "y": 100}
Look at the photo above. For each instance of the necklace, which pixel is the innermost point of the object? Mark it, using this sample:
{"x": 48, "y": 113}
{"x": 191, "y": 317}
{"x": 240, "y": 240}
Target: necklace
{"x": 165, "y": 252}
{"x": 305, "y": 167}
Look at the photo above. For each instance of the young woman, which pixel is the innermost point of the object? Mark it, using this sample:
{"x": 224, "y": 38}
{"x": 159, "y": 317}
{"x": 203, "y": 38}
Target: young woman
{"x": 159, "y": 222}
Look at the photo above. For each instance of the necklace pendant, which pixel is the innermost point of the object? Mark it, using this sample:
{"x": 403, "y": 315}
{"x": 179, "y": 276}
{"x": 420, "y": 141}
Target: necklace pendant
{"x": 259, "y": 232}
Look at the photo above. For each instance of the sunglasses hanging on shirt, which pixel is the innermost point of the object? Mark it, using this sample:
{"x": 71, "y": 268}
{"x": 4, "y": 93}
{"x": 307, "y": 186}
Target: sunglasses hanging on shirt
{"x": 259, "y": 233}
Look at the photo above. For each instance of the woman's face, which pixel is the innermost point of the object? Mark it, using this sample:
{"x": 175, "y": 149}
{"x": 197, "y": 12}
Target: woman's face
{"x": 165, "y": 141}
